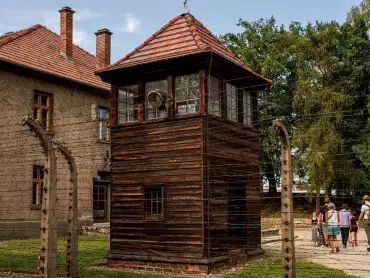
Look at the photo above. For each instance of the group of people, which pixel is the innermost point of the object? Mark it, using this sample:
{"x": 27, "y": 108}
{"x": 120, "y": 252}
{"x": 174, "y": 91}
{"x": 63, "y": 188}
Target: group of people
{"x": 330, "y": 223}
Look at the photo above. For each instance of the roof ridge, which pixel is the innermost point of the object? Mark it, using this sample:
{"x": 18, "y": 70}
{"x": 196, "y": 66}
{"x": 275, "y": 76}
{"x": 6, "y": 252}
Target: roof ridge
{"x": 220, "y": 43}
{"x": 18, "y": 34}
{"x": 137, "y": 49}
{"x": 189, "y": 18}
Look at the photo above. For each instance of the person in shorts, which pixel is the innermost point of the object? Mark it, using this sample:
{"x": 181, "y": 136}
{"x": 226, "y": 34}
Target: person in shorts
{"x": 364, "y": 219}
{"x": 332, "y": 221}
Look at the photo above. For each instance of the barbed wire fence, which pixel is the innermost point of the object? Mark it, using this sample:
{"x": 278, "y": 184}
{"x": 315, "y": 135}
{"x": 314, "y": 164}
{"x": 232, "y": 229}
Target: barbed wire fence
{"x": 18, "y": 152}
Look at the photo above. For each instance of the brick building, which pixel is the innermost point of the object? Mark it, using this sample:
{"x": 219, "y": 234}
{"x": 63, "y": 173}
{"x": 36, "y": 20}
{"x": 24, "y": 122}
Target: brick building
{"x": 45, "y": 75}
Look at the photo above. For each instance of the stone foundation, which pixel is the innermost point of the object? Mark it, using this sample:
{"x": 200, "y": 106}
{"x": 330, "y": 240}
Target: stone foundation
{"x": 236, "y": 257}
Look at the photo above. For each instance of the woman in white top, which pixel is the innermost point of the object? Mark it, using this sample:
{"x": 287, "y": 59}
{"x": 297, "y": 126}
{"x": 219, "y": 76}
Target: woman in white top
{"x": 332, "y": 220}
{"x": 364, "y": 219}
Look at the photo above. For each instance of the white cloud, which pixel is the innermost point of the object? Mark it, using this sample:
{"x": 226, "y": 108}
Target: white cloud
{"x": 82, "y": 38}
{"x": 86, "y": 14}
{"x": 130, "y": 25}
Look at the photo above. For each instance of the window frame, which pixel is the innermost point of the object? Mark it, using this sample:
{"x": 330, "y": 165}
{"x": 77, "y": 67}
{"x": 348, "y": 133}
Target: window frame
{"x": 101, "y": 121}
{"x": 135, "y": 106}
{"x": 147, "y": 104}
{"x": 232, "y": 115}
{"x": 188, "y": 89}
{"x": 39, "y": 107}
{"x": 212, "y": 91}
{"x": 149, "y": 203}
{"x": 39, "y": 182}
{"x": 248, "y": 111}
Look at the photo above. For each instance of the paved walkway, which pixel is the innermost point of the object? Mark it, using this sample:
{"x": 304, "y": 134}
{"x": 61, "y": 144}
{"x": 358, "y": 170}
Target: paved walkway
{"x": 353, "y": 260}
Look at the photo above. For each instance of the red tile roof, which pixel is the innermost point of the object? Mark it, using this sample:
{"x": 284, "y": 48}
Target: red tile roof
{"x": 183, "y": 35}
{"x": 38, "y": 48}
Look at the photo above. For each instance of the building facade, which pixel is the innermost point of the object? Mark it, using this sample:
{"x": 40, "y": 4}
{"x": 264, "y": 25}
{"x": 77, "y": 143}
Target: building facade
{"x": 46, "y": 76}
{"x": 185, "y": 153}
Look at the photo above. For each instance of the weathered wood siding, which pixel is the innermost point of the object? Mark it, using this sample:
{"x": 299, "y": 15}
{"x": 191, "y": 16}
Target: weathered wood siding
{"x": 233, "y": 179}
{"x": 168, "y": 152}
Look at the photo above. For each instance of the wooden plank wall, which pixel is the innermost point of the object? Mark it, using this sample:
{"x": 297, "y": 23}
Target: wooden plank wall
{"x": 170, "y": 153}
{"x": 232, "y": 156}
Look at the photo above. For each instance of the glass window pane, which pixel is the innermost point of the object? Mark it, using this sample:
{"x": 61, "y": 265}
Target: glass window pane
{"x": 128, "y": 102}
{"x": 151, "y": 112}
{"x": 36, "y": 99}
{"x": 232, "y": 102}
{"x": 44, "y": 100}
{"x": 44, "y": 120}
{"x": 214, "y": 93}
{"x": 187, "y": 92}
{"x": 34, "y": 193}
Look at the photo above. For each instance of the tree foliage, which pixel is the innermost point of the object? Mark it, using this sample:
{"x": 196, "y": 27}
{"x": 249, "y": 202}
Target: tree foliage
{"x": 321, "y": 78}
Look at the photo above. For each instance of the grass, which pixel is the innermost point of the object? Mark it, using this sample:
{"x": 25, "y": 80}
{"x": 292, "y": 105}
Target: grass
{"x": 272, "y": 269}
{"x": 21, "y": 255}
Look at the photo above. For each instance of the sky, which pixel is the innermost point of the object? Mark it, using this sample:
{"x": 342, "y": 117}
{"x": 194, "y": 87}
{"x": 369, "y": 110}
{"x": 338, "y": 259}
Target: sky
{"x": 133, "y": 21}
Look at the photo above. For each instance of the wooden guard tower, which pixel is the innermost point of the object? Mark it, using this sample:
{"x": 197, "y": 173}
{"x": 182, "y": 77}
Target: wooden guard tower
{"x": 185, "y": 153}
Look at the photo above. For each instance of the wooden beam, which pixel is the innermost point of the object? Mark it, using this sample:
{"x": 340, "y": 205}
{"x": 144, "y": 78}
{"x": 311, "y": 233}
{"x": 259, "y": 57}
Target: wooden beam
{"x": 223, "y": 99}
{"x": 114, "y": 109}
{"x": 203, "y": 91}
{"x": 240, "y": 105}
{"x": 171, "y": 96}
{"x": 141, "y": 101}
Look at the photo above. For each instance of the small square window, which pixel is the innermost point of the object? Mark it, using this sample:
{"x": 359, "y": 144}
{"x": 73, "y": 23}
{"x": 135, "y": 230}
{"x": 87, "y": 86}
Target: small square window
{"x": 154, "y": 201}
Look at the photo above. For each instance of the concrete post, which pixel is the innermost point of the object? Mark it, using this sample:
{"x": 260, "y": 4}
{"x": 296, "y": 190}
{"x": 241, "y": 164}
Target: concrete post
{"x": 48, "y": 244}
{"x": 72, "y": 238}
{"x": 287, "y": 219}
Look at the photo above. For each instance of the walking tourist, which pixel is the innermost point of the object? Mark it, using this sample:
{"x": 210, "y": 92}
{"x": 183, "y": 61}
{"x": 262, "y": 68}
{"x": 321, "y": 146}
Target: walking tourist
{"x": 332, "y": 221}
{"x": 315, "y": 229}
{"x": 354, "y": 229}
{"x": 322, "y": 220}
{"x": 364, "y": 219}
{"x": 344, "y": 224}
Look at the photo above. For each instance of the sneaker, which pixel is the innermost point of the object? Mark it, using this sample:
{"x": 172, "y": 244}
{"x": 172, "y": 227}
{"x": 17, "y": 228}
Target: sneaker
{"x": 353, "y": 244}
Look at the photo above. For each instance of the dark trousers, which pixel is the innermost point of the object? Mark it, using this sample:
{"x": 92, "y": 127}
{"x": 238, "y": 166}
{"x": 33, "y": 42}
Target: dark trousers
{"x": 345, "y": 234}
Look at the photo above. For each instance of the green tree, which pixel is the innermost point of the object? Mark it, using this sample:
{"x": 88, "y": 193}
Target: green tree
{"x": 321, "y": 107}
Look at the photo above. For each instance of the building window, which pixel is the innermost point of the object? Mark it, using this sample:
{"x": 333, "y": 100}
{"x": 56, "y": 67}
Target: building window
{"x": 152, "y": 112}
{"x": 103, "y": 124}
{"x": 247, "y": 109}
{"x": 42, "y": 110}
{"x": 214, "y": 89}
{"x": 187, "y": 94}
{"x": 37, "y": 185}
{"x": 232, "y": 102}
{"x": 154, "y": 201}
{"x": 128, "y": 104}
{"x": 99, "y": 197}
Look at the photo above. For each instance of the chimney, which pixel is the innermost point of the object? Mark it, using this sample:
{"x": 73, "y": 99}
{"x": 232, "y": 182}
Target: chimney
{"x": 103, "y": 38}
{"x": 66, "y": 31}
